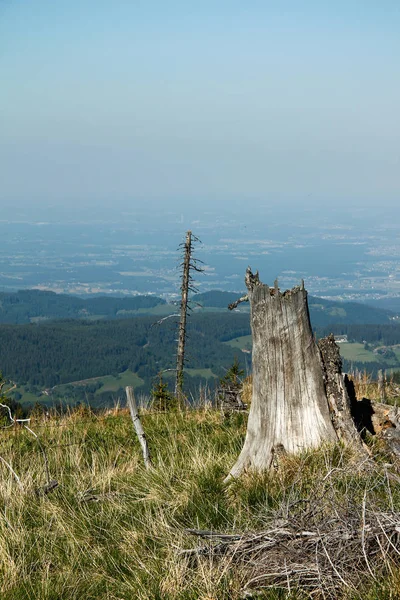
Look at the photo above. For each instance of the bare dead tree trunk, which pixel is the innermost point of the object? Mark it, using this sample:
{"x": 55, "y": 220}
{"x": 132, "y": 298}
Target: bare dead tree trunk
{"x": 188, "y": 265}
{"x": 289, "y": 409}
{"x": 180, "y": 357}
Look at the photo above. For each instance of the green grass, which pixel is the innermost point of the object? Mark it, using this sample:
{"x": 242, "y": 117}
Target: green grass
{"x": 112, "y": 384}
{"x": 159, "y": 310}
{"x": 355, "y": 351}
{"x": 28, "y": 396}
{"x": 242, "y": 343}
{"x": 114, "y": 531}
{"x": 206, "y": 373}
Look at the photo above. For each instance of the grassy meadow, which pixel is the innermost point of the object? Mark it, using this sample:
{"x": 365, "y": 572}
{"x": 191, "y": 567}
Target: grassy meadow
{"x": 243, "y": 342}
{"x": 113, "y": 530}
{"x": 108, "y": 383}
{"x": 357, "y": 352}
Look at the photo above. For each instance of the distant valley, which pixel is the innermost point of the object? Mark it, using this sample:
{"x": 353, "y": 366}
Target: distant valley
{"x": 62, "y": 348}
{"x": 83, "y": 297}
{"x": 351, "y": 257}
{"x": 36, "y": 306}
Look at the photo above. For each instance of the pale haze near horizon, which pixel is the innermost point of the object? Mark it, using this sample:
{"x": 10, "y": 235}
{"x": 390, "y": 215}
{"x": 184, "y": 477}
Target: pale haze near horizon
{"x": 158, "y": 103}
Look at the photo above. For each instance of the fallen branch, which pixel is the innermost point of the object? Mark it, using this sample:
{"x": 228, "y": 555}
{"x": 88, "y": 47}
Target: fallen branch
{"x": 321, "y": 548}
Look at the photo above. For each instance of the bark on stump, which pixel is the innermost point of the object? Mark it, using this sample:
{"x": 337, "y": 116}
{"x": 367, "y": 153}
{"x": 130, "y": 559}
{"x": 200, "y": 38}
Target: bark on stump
{"x": 289, "y": 409}
{"x": 341, "y": 397}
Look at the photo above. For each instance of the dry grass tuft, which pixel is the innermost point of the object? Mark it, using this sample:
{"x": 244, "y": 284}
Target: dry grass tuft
{"x": 325, "y": 544}
{"x": 247, "y": 390}
{"x": 367, "y": 387}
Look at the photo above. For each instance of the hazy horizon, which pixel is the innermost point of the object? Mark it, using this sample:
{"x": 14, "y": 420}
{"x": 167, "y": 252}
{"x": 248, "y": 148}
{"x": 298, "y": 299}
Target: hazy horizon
{"x": 151, "y": 105}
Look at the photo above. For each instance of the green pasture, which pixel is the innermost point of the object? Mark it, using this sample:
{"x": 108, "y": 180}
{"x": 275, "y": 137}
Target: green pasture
{"x": 112, "y": 384}
{"x": 205, "y": 373}
{"x": 243, "y": 342}
{"x": 356, "y": 352}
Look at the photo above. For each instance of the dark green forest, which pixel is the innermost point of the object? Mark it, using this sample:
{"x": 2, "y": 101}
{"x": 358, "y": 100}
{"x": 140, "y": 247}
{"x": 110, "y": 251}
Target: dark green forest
{"x": 59, "y": 352}
{"x": 49, "y": 353}
{"x": 26, "y": 306}
{"x": 387, "y": 335}
{"x": 323, "y": 312}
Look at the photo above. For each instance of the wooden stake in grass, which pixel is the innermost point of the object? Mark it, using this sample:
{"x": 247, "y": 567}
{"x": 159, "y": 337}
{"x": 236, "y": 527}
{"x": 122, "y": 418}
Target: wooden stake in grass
{"x": 381, "y": 385}
{"x": 130, "y": 397}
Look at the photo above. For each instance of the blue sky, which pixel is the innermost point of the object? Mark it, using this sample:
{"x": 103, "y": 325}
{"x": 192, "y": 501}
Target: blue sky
{"x": 108, "y": 102}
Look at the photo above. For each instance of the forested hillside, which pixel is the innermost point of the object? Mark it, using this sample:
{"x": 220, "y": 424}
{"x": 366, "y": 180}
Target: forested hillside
{"x": 101, "y": 348}
{"x": 51, "y": 354}
{"x": 323, "y": 312}
{"x": 388, "y": 335}
{"x": 41, "y": 356}
{"x": 28, "y": 306}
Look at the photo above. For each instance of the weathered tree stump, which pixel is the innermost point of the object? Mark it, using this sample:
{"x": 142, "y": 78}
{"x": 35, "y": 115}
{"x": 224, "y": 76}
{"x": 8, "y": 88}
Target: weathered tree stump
{"x": 300, "y": 396}
{"x": 289, "y": 409}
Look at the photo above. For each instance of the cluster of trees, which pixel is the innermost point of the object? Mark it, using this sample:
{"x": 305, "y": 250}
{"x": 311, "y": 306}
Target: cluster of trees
{"x": 382, "y": 334}
{"x": 25, "y": 305}
{"x": 52, "y": 353}
{"x": 322, "y": 312}
{"x": 215, "y": 298}
{"x": 385, "y": 334}
{"x": 56, "y": 353}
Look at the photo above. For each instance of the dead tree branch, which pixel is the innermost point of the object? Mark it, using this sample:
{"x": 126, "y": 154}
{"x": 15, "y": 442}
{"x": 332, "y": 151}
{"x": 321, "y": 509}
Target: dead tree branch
{"x": 235, "y": 304}
{"x": 164, "y": 319}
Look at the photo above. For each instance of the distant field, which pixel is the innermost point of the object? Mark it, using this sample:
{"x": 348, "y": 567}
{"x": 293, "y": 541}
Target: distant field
{"x": 159, "y": 310}
{"x": 110, "y": 384}
{"x": 349, "y": 351}
{"x": 211, "y": 309}
{"x": 355, "y": 351}
{"x": 93, "y": 317}
{"x": 206, "y": 373}
{"x": 27, "y": 397}
{"x": 242, "y": 343}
